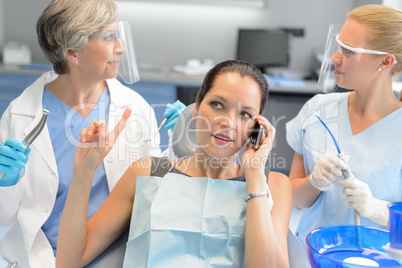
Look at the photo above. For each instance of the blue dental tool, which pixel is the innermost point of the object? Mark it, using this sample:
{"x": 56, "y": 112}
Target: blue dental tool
{"x": 347, "y": 174}
{"x": 329, "y": 131}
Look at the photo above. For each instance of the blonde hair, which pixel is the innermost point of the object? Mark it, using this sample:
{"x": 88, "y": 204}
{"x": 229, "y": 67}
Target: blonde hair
{"x": 66, "y": 24}
{"x": 384, "y": 27}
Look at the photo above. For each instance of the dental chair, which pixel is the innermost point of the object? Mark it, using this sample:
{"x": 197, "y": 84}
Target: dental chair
{"x": 184, "y": 142}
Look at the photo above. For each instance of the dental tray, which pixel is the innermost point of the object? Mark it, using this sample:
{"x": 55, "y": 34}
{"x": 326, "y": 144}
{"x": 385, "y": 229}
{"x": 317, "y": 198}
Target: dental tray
{"x": 349, "y": 246}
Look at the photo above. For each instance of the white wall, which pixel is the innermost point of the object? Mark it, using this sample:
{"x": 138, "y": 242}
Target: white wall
{"x": 19, "y": 18}
{"x": 167, "y": 34}
{"x": 393, "y": 3}
{"x": 1, "y": 24}
{"x": 172, "y": 33}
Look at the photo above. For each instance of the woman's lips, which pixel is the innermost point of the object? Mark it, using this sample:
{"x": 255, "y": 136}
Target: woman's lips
{"x": 222, "y": 139}
{"x": 115, "y": 64}
{"x": 336, "y": 72}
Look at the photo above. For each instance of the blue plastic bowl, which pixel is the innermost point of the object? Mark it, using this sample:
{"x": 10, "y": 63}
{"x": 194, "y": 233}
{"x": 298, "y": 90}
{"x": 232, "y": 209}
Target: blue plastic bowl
{"x": 349, "y": 246}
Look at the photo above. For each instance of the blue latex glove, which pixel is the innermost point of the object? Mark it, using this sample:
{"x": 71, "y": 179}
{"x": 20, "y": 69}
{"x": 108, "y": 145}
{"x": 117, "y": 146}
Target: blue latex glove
{"x": 12, "y": 161}
{"x": 172, "y": 113}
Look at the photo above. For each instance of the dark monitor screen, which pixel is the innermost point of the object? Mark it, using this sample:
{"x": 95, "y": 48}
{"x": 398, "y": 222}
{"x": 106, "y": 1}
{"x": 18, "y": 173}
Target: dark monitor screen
{"x": 263, "y": 48}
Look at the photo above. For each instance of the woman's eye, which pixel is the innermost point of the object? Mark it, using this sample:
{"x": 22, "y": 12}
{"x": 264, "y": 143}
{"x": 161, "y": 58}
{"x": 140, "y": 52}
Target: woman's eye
{"x": 246, "y": 115}
{"x": 216, "y": 105}
{"x": 110, "y": 38}
{"x": 345, "y": 51}
{"x": 348, "y": 52}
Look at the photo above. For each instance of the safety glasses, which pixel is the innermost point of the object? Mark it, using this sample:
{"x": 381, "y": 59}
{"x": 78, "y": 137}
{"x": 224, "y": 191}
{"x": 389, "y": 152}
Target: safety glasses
{"x": 347, "y": 49}
{"x": 109, "y": 36}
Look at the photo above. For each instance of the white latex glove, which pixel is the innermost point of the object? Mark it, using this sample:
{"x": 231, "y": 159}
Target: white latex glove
{"x": 360, "y": 198}
{"x": 326, "y": 172}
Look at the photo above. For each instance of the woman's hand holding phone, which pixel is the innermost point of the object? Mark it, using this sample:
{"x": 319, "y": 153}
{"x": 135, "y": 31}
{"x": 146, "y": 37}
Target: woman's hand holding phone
{"x": 257, "y": 152}
{"x": 256, "y": 136}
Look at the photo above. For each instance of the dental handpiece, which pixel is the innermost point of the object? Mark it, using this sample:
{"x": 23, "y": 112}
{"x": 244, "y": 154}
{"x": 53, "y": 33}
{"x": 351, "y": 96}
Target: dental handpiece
{"x": 32, "y": 136}
{"x": 28, "y": 140}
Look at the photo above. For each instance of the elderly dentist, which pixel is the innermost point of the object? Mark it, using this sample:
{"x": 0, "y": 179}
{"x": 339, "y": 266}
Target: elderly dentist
{"x": 85, "y": 44}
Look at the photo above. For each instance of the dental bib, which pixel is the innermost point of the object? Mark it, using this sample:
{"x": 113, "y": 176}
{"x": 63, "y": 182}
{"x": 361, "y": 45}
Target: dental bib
{"x": 181, "y": 221}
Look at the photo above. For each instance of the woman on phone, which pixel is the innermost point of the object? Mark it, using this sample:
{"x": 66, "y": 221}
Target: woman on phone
{"x": 244, "y": 219}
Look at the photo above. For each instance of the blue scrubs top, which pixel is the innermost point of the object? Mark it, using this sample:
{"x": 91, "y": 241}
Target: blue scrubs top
{"x": 375, "y": 157}
{"x": 64, "y": 128}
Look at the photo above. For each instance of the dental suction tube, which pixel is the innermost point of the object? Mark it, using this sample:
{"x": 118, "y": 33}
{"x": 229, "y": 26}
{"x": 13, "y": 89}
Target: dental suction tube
{"x": 347, "y": 174}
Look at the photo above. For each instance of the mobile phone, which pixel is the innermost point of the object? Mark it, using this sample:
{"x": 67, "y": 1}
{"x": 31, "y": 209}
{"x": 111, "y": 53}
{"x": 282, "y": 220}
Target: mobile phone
{"x": 256, "y": 135}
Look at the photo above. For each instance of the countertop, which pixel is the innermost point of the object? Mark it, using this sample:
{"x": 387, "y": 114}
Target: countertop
{"x": 164, "y": 75}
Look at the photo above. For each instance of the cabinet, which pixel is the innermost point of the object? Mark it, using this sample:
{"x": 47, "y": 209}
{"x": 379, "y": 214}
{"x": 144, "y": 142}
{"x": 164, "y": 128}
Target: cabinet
{"x": 157, "y": 95}
{"x": 280, "y": 109}
{"x": 11, "y": 86}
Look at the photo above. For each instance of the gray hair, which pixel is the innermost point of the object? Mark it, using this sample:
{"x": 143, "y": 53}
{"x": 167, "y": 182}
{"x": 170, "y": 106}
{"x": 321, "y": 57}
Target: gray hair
{"x": 66, "y": 24}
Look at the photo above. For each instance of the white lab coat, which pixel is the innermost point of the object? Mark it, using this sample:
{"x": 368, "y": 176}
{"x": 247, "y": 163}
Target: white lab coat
{"x": 27, "y": 205}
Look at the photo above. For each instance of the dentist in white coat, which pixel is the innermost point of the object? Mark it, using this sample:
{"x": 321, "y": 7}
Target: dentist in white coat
{"x": 81, "y": 39}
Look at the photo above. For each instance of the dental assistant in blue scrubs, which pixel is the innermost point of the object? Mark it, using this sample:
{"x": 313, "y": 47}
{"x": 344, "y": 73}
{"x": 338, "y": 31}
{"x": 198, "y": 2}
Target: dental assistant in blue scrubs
{"x": 366, "y": 123}
{"x": 81, "y": 40}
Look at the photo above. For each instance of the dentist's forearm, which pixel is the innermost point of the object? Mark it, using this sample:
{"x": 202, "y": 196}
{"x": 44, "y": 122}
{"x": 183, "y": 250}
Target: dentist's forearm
{"x": 304, "y": 194}
{"x": 73, "y": 226}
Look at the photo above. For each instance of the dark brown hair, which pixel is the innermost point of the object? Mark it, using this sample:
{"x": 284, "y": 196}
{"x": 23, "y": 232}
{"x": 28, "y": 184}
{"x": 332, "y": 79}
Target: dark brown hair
{"x": 234, "y": 66}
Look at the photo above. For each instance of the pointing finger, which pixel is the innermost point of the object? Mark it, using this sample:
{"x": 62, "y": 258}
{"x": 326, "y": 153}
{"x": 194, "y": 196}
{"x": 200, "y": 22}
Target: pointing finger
{"x": 120, "y": 126}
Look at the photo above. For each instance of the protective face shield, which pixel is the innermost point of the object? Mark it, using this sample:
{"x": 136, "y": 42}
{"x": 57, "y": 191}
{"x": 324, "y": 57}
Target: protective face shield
{"x": 124, "y": 55}
{"x": 327, "y": 79}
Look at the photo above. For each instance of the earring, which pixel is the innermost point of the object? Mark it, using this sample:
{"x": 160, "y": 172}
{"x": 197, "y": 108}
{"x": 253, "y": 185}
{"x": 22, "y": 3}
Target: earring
{"x": 76, "y": 61}
{"x": 379, "y": 69}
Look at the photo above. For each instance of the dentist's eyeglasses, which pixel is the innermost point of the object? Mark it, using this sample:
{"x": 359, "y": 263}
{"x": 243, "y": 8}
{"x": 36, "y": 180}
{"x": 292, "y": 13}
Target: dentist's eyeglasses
{"x": 108, "y": 36}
